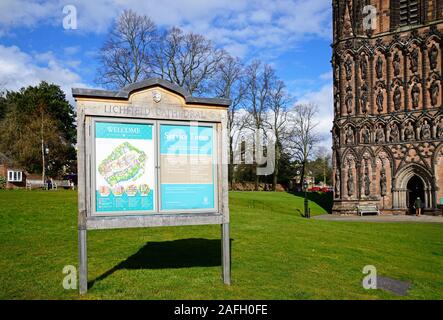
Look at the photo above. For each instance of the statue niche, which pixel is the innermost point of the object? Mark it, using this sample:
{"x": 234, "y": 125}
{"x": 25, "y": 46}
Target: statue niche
{"x": 414, "y": 60}
{"x": 349, "y": 100}
{"x": 349, "y": 135}
{"x": 365, "y": 135}
{"x": 383, "y": 180}
{"x": 415, "y": 95}
{"x": 379, "y": 67}
{"x": 396, "y": 64}
{"x": 397, "y": 98}
{"x": 379, "y": 100}
{"x": 394, "y": 135}
{"x": 425, "y": 131}
{"x": 364, "y": 99}
{"x": 350, "y": 183}
{"x": 348, "y": 68}
{"x": 409, "y": 132}
{"x": 433, "y": 55}
{"x": 367, "y": 179}
{"x": 337, "y": 183}
{"x": 433, "y": 93}
{"x": 379, "y": 134}
{"x": 364, "y": 67}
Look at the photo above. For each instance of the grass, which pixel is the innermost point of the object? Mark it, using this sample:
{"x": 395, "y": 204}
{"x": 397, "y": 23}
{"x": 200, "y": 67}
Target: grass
{"x": 276, "y": 254}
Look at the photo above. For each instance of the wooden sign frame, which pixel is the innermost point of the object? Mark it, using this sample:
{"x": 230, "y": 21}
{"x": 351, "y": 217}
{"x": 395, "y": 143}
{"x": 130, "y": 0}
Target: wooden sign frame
{"x": 137, "y": 103}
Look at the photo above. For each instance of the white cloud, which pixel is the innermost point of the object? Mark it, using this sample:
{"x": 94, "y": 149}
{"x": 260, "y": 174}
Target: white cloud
{"x": 275, "y": 25}
{"x": 19, "y": 69}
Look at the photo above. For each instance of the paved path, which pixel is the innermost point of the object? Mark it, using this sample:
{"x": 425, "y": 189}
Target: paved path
{"x": 381, "y": 218}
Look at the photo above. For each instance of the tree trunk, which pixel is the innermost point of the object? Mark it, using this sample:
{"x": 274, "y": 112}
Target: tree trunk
{"x": 276, "y": 163}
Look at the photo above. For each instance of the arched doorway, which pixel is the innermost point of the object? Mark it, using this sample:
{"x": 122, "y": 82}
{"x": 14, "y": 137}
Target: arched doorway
{"x": 410, "y": 182}
{"x": 416, "y": 190}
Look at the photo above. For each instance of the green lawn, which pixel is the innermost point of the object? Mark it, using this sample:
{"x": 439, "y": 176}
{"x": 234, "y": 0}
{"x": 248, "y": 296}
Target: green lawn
{"x": 276, "y": 254}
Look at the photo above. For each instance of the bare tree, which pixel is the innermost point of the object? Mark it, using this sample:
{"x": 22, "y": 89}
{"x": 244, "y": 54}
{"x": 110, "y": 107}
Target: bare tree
{"x": 229, "y": 84}
{"x": 187, "y": 59}
{"x": 125, "y": 57}
{"x": 303, "y": 137}
{"x": 259, "y": 81}
{"x": 277, "y": 120}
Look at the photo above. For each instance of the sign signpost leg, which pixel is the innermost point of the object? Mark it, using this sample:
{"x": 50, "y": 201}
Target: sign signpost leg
{"x": 226, "y": 254}
{"x": 83, "y": 261}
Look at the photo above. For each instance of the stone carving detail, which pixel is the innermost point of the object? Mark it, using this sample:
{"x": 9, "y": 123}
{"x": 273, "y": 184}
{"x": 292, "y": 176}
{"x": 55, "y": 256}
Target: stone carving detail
{"x": 367, "y": 179}
{"x": 364, "y": 99}
{"x": 394, "y": 135}
{"x": 433, "y": 93}
{"x": 397, "y": 98}
{"x": 433, "y": 54}
{"x": 396, "y": 64}
{"x": 379, "y": 134}
{"x": 414, "y": 60}
{"x": 364, "y": 67}
{"x": 409, "y": 132}
{"x": 337, "y": 184}
{"x": 415, "y": 95}
{"x": 337, "y": 103}
{"x": 349, "y": 100}
{"x": 349, "y": 135}
{"x": 379, "y": 67}
{"x": 350, "y": 180}
{"x": 379, "y": 100}
{"x": 348, "y": 68}
{"x": 365, "y": 135}
{"x": 425, "y": 131}
{"x": 383, "y": 180}
{"x": 440, "y": 129}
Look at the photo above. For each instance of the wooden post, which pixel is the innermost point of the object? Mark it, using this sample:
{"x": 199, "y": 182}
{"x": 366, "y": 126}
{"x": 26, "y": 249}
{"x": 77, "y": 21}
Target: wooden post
{"x": 83, "y": 261}
{"x": 226, "y": 254}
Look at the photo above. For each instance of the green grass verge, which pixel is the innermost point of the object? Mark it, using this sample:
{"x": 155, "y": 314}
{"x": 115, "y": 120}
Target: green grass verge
{"x": 276, "y": 254}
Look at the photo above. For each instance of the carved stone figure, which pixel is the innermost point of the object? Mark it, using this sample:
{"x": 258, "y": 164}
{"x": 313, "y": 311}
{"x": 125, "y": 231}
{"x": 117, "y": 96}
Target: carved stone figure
{"x": 379, "y": 100}
{"x": 350, "y": 181}
{"x": 364, "y": 99}
{"x": 433, "y": 54}
{"x": 383, "y": 181}
{"x": 364, "y": 67}
{"x": 367, "y": 180}
{"x": 337, "y": 184}
{"x": 397, "y": 98}
{"x": 425, "y": 131}
{"x": 396, "y": 64}
{"x": 379, "y": 134}
{"x": 409, "y": 132}
{"x": 337, "y": 103}
{"x": 349, "y": 100}
{"x": 415, "y": 95}
{"x": 414, "y": 60}
{"x": 394, "y": 136}
{"x": 365, "y": 135}
{"x": 349, "y": 135}
{"x": 379, "y": 67}
{"x": 433, "y": 93}
{"x": 440, "y": 129}
{"x": 348, "y": 68}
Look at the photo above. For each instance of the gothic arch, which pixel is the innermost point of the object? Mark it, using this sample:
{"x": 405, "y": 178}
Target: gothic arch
{"x": 400, "y": 185}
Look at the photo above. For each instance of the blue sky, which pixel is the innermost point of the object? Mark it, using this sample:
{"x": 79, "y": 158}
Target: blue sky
{"x": 293, "y": 36}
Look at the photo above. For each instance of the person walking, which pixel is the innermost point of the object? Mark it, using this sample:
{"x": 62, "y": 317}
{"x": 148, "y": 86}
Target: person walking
{"x": 417, "y": 206}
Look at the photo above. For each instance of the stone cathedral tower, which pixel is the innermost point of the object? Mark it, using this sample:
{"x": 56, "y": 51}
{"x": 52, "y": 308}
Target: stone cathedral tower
{"x": 388, "y": 123}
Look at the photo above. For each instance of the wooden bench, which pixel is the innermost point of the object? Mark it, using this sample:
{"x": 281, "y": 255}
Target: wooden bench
{"x": 367, "y": 209}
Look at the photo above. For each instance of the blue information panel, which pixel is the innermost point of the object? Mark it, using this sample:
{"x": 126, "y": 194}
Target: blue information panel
{"x": 187, "y": 167}
{"x": 124, "y": 167}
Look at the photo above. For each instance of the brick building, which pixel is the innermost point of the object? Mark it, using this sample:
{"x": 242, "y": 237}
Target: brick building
{"x": 388, "y": 111}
